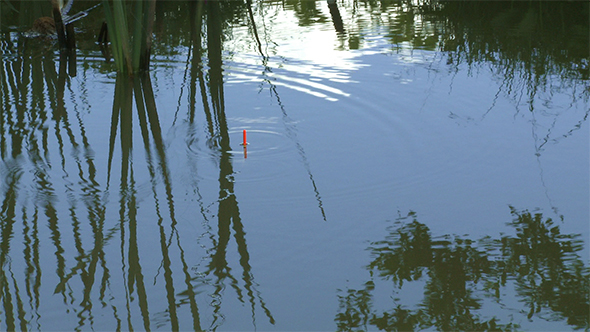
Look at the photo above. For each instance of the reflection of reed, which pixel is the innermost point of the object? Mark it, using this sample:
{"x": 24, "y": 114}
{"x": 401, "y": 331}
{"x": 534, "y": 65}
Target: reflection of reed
{"x": 8, "y": 217}
{"x": 126, "y": 89}
{"x": 28, "y": 123}
{"x": 228, "y": 213}
{"x": 534, "y": 52}
{"x": 81, "y": 269}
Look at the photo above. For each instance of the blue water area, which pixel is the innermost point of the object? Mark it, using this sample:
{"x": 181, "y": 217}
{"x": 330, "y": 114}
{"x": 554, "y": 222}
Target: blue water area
{"x": 408, "y": 167}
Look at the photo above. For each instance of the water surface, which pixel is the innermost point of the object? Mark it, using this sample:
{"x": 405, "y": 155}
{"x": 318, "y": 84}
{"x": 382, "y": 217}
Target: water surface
{"x": 409, "y": 167}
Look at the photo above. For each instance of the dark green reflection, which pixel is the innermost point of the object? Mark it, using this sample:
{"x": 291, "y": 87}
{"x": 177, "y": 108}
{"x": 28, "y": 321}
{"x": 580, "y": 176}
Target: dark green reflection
{"x": 532, "y": 47}
{"x": 139, "y": 89}
{"x": 541, "y": 265}
{"x": 210, "y": 15}
{"x": 34, "y": 113}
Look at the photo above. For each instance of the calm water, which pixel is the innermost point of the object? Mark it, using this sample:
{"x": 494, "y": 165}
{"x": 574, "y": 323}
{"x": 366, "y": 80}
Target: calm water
{"x": 408, "y": 168}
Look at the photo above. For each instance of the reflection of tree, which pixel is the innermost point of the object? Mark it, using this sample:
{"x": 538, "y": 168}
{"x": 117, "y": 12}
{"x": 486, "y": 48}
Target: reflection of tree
{"x": 540, "y": 262}
{"x": 536, "y": 49}
{"x": 306, "y": 12}
{"x": 531, "y": 32}
{"x": 535, "y": 53}
{"x": 547, "y": 271}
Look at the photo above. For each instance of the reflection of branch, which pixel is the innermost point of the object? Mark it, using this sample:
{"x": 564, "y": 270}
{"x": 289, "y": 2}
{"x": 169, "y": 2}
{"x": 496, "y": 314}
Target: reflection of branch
{"x": 291, "y": 129}
{"x": 570, "y": 132}
{"x": 196, "y": 15}
{"x": 147, "y": 112}
{"x": 196, "y": 72}
{"x": 114, "y": 120}
{"x": 122, "y": 108}
{"x": 33, "y": 271}
{"x": 146, "y": 102}
{"x": 254, "y": 30}
{"x": 292, "y": 133}
{"x": 166, "y": 264}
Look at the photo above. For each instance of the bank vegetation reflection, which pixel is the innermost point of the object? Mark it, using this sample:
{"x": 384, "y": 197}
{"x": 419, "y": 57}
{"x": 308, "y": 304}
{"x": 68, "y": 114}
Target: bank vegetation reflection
{"x": 459, "y": 276}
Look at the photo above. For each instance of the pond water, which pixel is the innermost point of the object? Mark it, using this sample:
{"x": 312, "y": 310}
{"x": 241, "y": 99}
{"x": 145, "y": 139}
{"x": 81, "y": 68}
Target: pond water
{"x": 409, "y": 166}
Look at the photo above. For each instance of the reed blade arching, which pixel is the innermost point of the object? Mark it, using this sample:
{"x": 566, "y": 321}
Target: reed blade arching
{"x": 130, "y": 32}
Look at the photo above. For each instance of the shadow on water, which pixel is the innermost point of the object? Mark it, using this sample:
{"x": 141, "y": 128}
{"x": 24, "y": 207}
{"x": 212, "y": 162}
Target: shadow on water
{"x": 459, "y": 276}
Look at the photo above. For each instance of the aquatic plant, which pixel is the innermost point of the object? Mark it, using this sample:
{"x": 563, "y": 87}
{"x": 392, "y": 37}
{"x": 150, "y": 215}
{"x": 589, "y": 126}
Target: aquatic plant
{"x": 130, "y": 33}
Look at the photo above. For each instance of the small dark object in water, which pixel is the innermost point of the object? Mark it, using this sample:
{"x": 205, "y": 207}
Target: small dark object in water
{"x": 103, "y": 36}
{"x": 44, "y": 26}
